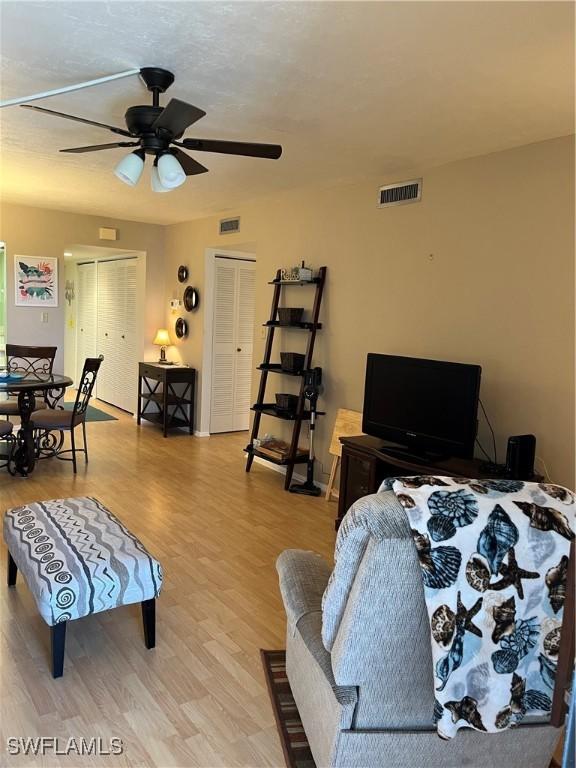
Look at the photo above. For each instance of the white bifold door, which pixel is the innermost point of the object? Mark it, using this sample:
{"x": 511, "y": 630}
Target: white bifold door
{"x": 118, "y": 373}
{"x": 86, "y": 296}
{"x": 107, "y": 325}
{"x": 232, "y": 343}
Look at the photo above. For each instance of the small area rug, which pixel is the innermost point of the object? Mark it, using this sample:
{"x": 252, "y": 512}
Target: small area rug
{"x": 93, "y": 414}
{"x": 292, "y": 737}
{"x": 290, "y": 729}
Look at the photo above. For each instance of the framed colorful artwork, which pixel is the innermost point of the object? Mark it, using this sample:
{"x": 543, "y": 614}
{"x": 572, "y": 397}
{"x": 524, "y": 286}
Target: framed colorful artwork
{"x": 36, "y": 281}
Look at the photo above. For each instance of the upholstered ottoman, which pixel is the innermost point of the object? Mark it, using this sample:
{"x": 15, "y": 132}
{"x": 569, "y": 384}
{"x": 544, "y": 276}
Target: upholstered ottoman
{"x": 78, "y": 559}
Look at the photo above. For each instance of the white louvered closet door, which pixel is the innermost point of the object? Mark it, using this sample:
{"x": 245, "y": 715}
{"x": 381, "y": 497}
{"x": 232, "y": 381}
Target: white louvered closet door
{"x": 117, "y": 331}
{"x": 128, "y": 370}
{"x": 232, "y": 342}
{"x": 86, "y": 319}
{"x": 244, "y": 340}
{"x": 108, "y": 320}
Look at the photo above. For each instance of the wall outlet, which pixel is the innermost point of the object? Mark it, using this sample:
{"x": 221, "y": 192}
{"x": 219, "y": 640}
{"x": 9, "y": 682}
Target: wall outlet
{"x": 44, "y": 317}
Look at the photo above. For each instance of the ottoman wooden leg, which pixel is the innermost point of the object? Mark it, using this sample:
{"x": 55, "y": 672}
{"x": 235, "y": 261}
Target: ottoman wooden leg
{"x": 12, "y": 571}
{"x": 149, "y": 620}
{"x": 57, "y": 643}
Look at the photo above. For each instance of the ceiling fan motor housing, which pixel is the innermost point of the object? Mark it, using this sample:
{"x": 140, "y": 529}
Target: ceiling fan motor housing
{"x": 139, "y": 119}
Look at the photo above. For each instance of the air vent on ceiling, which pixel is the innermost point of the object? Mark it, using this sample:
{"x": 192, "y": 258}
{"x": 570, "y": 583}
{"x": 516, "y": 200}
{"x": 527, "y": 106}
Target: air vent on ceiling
{"x": 398, "y": 194}
{"x": 227, "y": 226}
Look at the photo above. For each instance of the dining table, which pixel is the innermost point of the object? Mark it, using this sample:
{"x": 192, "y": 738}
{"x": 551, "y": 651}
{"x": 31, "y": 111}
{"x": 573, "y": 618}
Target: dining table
{"x": 51, "y": 388}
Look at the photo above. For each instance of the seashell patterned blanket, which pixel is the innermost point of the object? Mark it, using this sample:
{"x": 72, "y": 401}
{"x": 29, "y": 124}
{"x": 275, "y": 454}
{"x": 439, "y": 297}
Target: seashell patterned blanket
{"x": 494, "y": 560}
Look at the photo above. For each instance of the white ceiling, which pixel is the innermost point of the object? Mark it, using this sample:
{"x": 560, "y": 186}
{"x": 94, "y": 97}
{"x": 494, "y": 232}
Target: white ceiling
{"x": 348, "y": 88}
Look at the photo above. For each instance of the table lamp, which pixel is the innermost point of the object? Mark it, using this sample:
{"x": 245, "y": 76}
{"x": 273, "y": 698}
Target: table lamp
{"x": 162, "y": 339}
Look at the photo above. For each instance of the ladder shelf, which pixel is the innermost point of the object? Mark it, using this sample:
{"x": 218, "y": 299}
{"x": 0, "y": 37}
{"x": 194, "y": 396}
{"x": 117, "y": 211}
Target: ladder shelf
{"x": 261, "y": 407}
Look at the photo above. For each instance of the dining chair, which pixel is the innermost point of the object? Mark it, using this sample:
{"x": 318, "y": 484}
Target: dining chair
{"x": 55, "y": 420}
{"x": 31, "y": 361}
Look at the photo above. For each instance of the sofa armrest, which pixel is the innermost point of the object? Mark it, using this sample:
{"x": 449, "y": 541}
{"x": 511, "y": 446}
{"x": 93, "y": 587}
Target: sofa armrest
{"x": 303, "y": 579}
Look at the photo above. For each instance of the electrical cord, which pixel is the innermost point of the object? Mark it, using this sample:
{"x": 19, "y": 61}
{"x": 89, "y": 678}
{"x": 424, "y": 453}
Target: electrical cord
{"x": 479, "y": 444}
{"x": 491, "y": 430}
{"x": 546, "y": 473}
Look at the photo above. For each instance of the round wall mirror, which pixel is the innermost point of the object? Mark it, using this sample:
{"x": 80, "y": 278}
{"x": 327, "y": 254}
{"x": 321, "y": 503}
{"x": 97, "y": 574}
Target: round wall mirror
{"x": 191, "y": 299}
{"x": 181, "y": 328}
{"x": 182, "y": 274}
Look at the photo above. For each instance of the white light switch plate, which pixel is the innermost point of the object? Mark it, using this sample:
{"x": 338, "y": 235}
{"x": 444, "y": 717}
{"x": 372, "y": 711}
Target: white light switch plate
{"x": 44, "y": 317}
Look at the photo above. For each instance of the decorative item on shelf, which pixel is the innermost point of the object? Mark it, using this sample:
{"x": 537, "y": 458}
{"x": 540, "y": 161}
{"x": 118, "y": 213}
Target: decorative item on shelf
{"x": 162, "y": 340}
{"x": 290, "y": 315}
{"x": 191, "y": 299}
{"x": 182, "y": 273}
{"x": 292, "y": 362}
{"x": 69, "y": 291}
{"x": 275, "y": 449}
{"x": 299, "y": 274}
{"x": 181, "y": 328}
{"x": 286, "y": 402}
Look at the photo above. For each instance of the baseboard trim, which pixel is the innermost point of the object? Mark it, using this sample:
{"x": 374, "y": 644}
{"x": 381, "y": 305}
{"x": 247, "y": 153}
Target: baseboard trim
{"x": 197, "y": 433}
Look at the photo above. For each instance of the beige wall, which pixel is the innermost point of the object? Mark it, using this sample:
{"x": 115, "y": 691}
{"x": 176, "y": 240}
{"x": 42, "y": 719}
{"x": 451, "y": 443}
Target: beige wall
{"x": 38, "y": 232}
{"x": 480, "y": 271}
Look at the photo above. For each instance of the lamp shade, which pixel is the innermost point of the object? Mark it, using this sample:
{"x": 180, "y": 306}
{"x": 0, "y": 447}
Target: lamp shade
{"x": 170, "y": 171}
{"x": 162, "y": 338}
{"x": 130, "y": 168}
{"x": 157, "y": 185}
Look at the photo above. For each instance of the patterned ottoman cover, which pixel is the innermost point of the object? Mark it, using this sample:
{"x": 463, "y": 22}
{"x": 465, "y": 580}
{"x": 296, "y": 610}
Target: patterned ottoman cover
{"x": 77, "y": 558}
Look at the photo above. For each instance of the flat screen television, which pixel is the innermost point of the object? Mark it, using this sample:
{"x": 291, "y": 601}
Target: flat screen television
{"x": 425, "y": 406}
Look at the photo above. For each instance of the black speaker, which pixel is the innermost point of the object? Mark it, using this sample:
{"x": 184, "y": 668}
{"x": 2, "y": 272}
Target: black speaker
{"x": 520, "y": 457}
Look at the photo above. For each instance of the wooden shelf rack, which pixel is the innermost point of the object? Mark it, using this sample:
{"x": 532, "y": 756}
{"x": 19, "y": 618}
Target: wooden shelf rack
{"x": 261, "y": 408}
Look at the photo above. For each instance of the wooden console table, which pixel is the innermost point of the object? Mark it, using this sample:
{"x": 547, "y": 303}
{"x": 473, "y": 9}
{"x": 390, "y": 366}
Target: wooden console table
{"x": 171, "y": 391}
{"x": 365, "y": 464}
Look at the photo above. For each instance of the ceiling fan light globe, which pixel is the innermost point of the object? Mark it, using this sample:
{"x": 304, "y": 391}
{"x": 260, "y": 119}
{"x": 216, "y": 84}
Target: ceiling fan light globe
{"x": 170, "y": 171}
{"x": 156, "y": 183}
{"x": 130, "y": 168}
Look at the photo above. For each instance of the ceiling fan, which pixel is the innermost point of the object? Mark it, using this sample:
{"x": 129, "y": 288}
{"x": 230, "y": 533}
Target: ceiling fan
{"x": 158, "y": 131}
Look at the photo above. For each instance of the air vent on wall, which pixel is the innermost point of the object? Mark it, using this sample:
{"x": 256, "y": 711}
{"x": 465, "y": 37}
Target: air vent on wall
{"x": 398, "y": 194}
{"x": 228, "y": 226}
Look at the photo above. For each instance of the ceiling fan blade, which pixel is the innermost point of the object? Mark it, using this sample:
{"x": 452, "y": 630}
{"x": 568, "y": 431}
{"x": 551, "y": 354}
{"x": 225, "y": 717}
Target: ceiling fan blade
{"x": 121, "y": 131}
{"x": 270, "y": 151}
{"x": 177, "y": 116}
{"x": 97, "y": 147}
{"x": 191, "y": 167}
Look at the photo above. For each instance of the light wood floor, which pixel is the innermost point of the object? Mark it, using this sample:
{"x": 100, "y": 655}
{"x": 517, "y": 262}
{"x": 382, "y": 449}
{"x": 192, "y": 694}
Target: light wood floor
{"x": 199, "y": 698}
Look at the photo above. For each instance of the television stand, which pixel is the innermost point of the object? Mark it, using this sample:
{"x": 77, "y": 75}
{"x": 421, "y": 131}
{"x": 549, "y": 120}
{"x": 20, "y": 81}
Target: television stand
{"x": 404, "y": 454}
{"x": 367, "y": 460}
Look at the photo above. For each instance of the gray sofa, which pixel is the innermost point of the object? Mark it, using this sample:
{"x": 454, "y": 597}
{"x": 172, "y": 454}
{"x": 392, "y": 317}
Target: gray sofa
{"x": 359, "y": 660}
